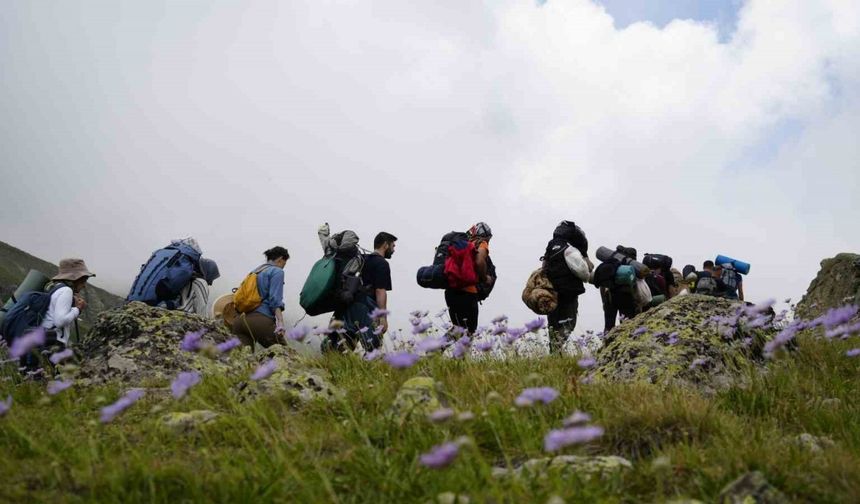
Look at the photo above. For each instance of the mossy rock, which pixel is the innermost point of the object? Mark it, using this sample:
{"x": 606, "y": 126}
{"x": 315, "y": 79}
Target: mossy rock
{"x": 582, "y": 466}
{"x": 751, "y": 488}
{"x": 181, "y": 422}
{"x": 703, "y": 357}
{"x": 292, "y": 380}
{"x": 418, "y": 397}
{"x": 837, "y": 284}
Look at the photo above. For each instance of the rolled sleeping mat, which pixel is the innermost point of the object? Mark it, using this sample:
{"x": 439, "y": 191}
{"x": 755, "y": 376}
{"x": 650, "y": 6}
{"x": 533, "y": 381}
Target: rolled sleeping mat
{"x": 34, "y": 281}
{"x": 740, "y": 266}
{"x": 432, "y": 277}
{"x": 605, "y": 254}
{"x": 625, "y": 275}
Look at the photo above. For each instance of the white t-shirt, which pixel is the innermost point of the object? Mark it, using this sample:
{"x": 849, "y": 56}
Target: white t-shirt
{"x": 61, "y": 313}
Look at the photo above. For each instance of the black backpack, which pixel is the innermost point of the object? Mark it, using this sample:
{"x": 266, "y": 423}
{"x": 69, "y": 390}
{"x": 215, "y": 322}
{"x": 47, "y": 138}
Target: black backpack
{"x": 658, "y": 262}
{"x": 572, "y": 234}
{"x": 604, "y": 274}
{"x": 484, "y": 290}
{"x": 447, "y": 240}
{"x": 27, "y": 313}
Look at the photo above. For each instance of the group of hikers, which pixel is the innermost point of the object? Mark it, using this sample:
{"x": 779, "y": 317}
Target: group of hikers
{"x": 353, "y": 285}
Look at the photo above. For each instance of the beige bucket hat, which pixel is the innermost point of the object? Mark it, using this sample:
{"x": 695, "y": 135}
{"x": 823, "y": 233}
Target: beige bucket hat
{"x": 73, "y": 269}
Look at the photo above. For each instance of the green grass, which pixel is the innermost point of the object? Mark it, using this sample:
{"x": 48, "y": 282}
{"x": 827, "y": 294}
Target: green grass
{"x": 682, "y": 444}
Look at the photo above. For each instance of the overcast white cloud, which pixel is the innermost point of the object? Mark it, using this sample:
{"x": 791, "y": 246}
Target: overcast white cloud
{"x": 247, "y": 125}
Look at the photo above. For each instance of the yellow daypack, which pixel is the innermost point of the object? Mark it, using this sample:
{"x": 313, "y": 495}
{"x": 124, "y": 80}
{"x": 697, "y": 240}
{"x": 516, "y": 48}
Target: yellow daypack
{"x": 247, "y": 297}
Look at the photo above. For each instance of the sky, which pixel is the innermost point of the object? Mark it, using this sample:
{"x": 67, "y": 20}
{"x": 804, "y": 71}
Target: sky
{"x": 689, "y": 128}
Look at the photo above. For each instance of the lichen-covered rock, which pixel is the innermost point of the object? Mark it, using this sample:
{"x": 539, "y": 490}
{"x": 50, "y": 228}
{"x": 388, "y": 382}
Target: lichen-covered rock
{"x": 291, "y": 380}
{"x": 138, "y": 343}
{"x": 582, "y": 466}
{"x": 418, "y": 397}
{"x": 678, "y": 343}
{"x": 185, "y": 421}
{"x": 812, "y": 444}
{"x": 751, "y": 488}
{"x": 837, "y": 284}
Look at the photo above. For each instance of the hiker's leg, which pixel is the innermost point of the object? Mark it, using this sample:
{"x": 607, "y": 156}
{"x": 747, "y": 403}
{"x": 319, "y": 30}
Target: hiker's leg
{"x": 463, "y": 308}
{"x": 242, "y": 331}
{"x": 261, "y": 329}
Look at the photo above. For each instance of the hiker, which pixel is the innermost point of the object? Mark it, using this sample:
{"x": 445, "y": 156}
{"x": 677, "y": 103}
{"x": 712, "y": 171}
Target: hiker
{"x": 352, "y": 296}
{"x": 567, "y": 266}
{"x": 732, "y": 281}
{"x": 707, "y": 281}
{"x": 462, "y": 302}
{"x": 194, "y": 297}
{"x": 260, "y": 301}
{"x": 66, "y": 302}
{"x": 618, "y": 299}
{"x": 165, "y": 279}
{"x": 376, "y": 275}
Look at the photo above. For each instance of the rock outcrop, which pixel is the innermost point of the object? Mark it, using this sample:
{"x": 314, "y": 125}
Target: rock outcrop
{"x": 691, "y": 340}
{"x": 752, "y": 487}
{"x": 837, "y": 284}
{"x": 137, "y": 343}
{"x": 583, "y": 466}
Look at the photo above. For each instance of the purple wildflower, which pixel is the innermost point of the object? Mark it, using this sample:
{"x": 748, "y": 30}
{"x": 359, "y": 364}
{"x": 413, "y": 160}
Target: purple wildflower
{"x": 465, "y": 341}
{"x": 640, "y": 330}
{"x": 465, "y": 416}
{"x": 530, "y": 396}
{"x": 265, "y": 370}
{"x": 419, "y": 314}
{"x": 485, "y": 345}
{"x": 441, "y": 313}
{"x": 431, "y": 344}
{"x": 783, "y": 337}
{"x": 440, "y": 456}
{"x": 322, "y": 331}
{"x": 373, "y": 355}
{"x": 421, "y": 327}
{"x": 761, "y": 307}
{"x": 378, "y": 330}
{"x": 586, "y": 362}
{"x": 515, "y": 333}
{"x": 298, "y": 333}
{"x": 577, "y": 418}
{"x": 560, "y": 438}
{"x": 854, "y": 352}
{"x": 499, "y": 330}
{"x": 130, "y": 397}
{"x": 587, "y": 380}
{"x": 536, "y": 324}
{"x": 379, "y": 313}
{"x": 401, "y": 360}
{"x": 838, "y": 316}
{"x": 672, "y": 338}
{"x": 501, "y": 319}
{"x": 55, "y": 387}
{"x": 22, "y": 345}
{"x": 441, "y": 414}
{"x": 228, "y": 345}
{"x": 459, "y": 350}
{"x": 183, "y": 382}
{"x": 61, "y": 356}
{"x": 5, "y": 406}
{"x": 191, "y": 341}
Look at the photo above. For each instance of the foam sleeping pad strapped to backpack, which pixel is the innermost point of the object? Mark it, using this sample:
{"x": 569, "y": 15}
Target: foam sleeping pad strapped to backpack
{"x": 164, "y": 275}
{"x": 318, "y": 286}
{"x": 539, "y": 294}
{"x": 432, "y": 277}
{"x": 247, "y": 297}
{"x": 740, "y": 266}
{"x": 27, "y": 313}
{"x": 33, "y": 282}
{"x": 608, "y": 255}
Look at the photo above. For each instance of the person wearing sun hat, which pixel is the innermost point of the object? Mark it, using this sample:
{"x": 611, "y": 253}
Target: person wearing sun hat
{"x": 66, "y": 303}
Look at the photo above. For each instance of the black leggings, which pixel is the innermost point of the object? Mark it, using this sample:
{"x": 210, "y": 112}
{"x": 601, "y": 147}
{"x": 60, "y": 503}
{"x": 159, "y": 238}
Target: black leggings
{"x": 463, "y": 308}
{"x": 615, "y": 302}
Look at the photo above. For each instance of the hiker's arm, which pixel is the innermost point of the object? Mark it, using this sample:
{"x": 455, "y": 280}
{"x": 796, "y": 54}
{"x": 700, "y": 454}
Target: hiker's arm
{"x": 276, "y": 296}
{"x": 741, "y": 291}
{"x": 64, "y": 313}
{"x": 382, "y": 304}
{"x": 481, "y": 264}
{"x": 323, "y": 234}
{"x": 576, "y": 263}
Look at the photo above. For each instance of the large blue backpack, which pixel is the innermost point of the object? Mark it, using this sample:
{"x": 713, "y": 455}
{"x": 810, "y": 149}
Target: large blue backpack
{"x": 163, "y": 277}
{"x": 27, "y": 313}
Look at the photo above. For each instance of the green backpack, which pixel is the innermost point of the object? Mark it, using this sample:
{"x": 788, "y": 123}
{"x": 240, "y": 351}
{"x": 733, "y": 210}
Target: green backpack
{"x": 315, "y": 297}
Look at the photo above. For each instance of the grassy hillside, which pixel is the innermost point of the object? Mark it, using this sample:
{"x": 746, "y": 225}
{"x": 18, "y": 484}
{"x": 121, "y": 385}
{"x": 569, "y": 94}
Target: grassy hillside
{"x": 680, "y": 443}
{"x": 15, "y": 263}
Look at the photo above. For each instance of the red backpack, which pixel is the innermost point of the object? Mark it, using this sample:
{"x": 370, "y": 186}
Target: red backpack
{"x": 460, "y": 265}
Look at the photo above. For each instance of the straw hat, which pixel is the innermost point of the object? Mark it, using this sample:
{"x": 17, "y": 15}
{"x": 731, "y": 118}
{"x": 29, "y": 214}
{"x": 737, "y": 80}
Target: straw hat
{"x": 225, "y": 309}
{"x": 72, "y": 270}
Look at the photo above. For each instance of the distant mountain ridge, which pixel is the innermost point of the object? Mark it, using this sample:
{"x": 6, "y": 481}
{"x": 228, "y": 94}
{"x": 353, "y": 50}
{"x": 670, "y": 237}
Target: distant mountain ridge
{"x": 15, "y": 263}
